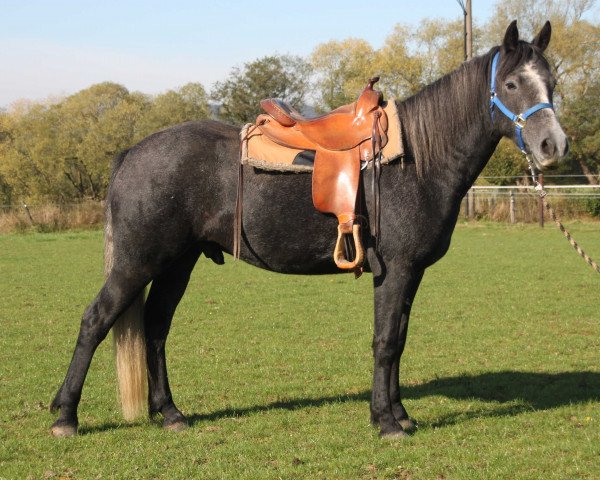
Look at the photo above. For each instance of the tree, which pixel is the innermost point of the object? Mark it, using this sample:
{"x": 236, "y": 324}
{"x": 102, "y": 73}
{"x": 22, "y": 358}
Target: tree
{"x": 95, "y": 125}
{"x": 440, "y": 47}
{"x": 401, "y": 70}
{"x": 343, "y": 69}
{"x": 28, "y": 151}
{"x": 284, "y": 77}
{"x": 507, "y": 161}
{"x": 63, "y": 151}
{"x": 5, "y": 187}
{"x": 582, "y": 124}
{"x": 6, "y": 194}
{"x": 187, "y": 103}
{"x": 409, "y": 59}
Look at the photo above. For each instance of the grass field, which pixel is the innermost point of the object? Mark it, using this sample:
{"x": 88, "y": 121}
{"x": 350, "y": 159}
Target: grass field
{"x": 502, "y": 368}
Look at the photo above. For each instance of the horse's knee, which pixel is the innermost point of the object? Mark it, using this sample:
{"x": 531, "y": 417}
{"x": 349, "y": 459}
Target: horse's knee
{"x": 385, "y": 350}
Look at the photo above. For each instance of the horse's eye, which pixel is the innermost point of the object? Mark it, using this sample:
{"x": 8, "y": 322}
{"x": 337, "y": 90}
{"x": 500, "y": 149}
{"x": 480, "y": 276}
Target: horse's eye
{"x": 511, "y": 86}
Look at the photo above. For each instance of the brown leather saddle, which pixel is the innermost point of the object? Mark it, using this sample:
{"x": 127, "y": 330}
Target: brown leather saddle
{"x": 341, "y": 139}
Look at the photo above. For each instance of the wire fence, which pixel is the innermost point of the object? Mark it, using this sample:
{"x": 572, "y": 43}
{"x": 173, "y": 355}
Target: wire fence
{"x": 520, "y": 203}
{"x": 506, "y": 203}
{"x": 50, "y": 217}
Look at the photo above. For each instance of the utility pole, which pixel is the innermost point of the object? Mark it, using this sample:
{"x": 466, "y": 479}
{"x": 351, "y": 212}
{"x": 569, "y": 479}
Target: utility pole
{"x": 469, "y": 30}
{"x": 465, "y": 5}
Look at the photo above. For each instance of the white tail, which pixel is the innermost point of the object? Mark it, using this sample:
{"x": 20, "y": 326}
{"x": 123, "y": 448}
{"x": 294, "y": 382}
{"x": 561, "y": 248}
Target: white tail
{"x": 129, "y": 344}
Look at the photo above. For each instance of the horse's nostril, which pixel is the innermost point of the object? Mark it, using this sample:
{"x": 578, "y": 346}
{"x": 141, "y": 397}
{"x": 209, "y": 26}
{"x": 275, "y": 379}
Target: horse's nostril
{"x": 566, "y": 149}
{"x": 548, "y": 147}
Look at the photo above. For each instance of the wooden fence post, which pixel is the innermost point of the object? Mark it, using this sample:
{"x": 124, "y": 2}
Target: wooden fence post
{"x": 471, "y": 202}
{"x": 26, "y": 208}
{"x": 513, "y": 212}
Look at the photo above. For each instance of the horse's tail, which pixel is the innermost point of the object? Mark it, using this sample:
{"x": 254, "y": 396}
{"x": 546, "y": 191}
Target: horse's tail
{"x": 128, "y": 336}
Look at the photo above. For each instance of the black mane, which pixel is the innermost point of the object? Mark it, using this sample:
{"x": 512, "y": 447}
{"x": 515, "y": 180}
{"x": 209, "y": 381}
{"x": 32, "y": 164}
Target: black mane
{"x": 433, "y": 118}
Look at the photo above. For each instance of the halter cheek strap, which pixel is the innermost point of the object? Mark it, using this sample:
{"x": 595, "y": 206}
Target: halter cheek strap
{"x": 518, "y": 120}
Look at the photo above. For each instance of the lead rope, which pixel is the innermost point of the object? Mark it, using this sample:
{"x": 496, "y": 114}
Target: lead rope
{"x": 542, "y": 193}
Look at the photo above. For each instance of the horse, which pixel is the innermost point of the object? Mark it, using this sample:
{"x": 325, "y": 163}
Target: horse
{"x": 172, "y": 197}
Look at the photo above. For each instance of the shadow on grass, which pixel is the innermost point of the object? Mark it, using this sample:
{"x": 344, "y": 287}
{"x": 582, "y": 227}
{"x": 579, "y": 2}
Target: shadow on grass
{"x": 531, "y": 391}
{"x": 293, "y": 404}
{"x": 508, "y": 393}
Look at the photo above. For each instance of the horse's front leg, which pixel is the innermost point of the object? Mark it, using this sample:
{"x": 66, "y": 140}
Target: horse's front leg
{"x": 397, "y": 407}
{"x": 394, "y": 287}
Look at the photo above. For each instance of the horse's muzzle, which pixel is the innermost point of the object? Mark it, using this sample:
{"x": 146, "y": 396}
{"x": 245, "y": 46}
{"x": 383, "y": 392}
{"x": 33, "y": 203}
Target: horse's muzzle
{"x": 551, "y": 150}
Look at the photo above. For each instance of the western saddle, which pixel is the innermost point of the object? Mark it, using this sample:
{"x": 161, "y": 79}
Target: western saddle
{"x": 340, "y": 139}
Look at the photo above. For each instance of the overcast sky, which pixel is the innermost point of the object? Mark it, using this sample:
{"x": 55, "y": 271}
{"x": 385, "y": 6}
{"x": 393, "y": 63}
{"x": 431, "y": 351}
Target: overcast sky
{"x": 55, "y": 48}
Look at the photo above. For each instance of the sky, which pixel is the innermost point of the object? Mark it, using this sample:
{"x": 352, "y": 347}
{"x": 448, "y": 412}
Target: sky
{"x": 56, "y": 48}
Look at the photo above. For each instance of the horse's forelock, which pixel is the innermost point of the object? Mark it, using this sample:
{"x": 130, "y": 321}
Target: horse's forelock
{"x": 524, "y": 53}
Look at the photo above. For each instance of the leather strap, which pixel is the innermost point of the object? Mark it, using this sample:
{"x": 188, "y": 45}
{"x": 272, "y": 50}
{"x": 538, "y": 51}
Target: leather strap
{"x": 376, "y": 152}
{"x": 239, "y": 200}
{"x": 237, "y": 222}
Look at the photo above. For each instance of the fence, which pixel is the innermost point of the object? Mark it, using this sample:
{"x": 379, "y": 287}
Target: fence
{"x": 512, "y": 203}
{"x": 520, "y": 203}
{"x": 50, "y": 217}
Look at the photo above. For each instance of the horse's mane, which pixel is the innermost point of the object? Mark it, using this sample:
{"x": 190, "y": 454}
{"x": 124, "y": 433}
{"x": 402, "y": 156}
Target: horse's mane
{"x": 436, "y": 116}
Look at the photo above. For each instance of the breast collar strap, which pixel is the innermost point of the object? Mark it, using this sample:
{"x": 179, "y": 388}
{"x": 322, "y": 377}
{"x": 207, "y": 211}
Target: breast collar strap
{"x": 518, "y": 120}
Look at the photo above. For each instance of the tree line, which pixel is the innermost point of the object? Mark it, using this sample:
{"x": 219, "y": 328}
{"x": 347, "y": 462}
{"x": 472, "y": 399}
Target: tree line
{"x": 61, "y": 150}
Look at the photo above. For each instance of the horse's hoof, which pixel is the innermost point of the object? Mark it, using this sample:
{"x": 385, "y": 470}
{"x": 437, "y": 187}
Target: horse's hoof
{"x": 177, "y": 426}
{"x": 408, "y": 424}
{"x": 393, "y": 436}
{"x": 63, "y": 430}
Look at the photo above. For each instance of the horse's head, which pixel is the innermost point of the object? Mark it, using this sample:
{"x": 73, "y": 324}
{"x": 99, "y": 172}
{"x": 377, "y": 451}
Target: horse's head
{"x": 522, "y": 87}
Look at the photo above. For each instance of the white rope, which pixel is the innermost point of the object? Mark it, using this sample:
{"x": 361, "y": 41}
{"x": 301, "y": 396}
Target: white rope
{"x": 542, "y": 193}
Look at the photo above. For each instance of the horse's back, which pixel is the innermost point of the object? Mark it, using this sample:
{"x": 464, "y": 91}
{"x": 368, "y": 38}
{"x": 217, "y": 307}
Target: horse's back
{"x": 185, "y": 145}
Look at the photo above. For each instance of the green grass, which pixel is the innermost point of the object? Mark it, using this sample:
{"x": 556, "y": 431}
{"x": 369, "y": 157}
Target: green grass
{"x": 501, "y": 369}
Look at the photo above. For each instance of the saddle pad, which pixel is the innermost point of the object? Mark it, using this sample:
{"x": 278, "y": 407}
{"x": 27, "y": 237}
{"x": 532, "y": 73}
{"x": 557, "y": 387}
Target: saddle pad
{"x": 264, "y": 154}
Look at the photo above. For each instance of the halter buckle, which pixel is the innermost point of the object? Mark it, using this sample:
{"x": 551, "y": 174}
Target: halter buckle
{"x": 520, "y": 121}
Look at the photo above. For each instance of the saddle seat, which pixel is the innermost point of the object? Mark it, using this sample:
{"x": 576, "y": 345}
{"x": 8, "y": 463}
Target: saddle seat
{"x": 340, "y": 139}
{"x": 341, "y": 129}
{"x": 288, "y": 116}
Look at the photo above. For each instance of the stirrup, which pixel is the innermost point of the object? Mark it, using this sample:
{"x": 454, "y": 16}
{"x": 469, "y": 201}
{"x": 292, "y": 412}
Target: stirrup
{"x": 338, "y": 254}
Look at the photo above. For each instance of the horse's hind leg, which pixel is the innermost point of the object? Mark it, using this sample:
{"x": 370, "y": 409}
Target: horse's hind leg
{"x": 118, "y": 292}
{"x": 165, "y": 293}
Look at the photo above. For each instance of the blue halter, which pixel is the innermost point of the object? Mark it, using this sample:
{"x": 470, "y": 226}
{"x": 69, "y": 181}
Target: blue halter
{"x": 518, "y": 120}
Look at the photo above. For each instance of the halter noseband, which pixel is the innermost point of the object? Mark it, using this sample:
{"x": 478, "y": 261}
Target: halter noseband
{"x": 518, "y": 120}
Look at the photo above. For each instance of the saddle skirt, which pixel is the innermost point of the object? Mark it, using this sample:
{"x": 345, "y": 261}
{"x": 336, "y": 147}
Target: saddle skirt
{"x": 340, "y": 140}
{"x": 263, "y": 153}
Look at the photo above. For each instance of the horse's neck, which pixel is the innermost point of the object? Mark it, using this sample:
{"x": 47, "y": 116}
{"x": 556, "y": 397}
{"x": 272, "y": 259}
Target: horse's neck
{"x": 466, "y": 158}
{"x": 463, "y": 123}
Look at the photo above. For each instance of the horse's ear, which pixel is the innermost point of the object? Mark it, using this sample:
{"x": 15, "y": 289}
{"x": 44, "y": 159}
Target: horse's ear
{"x": 543, "y": 38}
{"x": 511, "y": 37}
